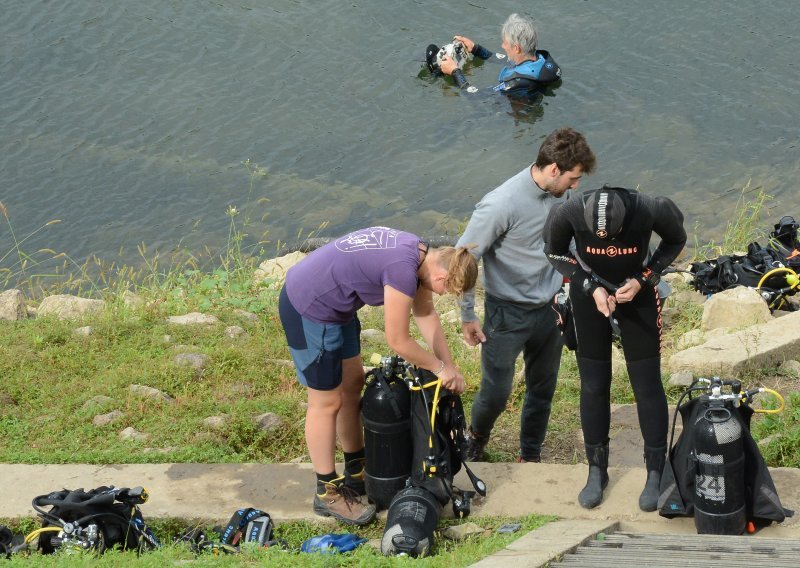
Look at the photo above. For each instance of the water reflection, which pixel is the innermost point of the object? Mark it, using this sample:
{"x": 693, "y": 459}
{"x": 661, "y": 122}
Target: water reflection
{"x": 522, "y": 108}
{"x": 130, "y": 122}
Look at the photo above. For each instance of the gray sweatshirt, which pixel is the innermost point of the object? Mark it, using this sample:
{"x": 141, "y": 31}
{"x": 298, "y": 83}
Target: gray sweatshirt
{"x": 507, "y": 227}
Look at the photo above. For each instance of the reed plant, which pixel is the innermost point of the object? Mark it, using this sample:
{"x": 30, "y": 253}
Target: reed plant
{"x": 744, "y": 227}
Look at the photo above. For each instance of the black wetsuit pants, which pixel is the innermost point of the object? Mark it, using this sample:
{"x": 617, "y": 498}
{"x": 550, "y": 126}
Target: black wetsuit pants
{"x": 511, "y": 329}
{"x": 640, "y": 331}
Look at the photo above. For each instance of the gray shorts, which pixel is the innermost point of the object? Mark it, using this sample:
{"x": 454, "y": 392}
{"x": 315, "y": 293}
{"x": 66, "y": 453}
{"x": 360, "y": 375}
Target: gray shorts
{"x": 318, "y": 349}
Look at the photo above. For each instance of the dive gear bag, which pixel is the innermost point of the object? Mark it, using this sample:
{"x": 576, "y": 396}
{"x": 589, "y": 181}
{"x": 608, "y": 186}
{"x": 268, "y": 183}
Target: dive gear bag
{"x": 438, "y": 431}
{"x": 97, "y": 519}
{"x": 248, "y": 525}
{"x": 767, "y": 269}
{"x": 245, "y": 525}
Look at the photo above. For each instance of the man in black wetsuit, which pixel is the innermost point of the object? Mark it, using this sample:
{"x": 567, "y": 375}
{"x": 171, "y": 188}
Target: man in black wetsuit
{"x": 613, "y": 281}
{"x": 528, "y": 69}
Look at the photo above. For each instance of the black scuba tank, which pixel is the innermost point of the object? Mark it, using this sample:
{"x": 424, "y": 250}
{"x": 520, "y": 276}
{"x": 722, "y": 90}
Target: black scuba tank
{"x": 719, "y": 489}
{"x": 410, "y": 522}
{"x": 386, "y": 414}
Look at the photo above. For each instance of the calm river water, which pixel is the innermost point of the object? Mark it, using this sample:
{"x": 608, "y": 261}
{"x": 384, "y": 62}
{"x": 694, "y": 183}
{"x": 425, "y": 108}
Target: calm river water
{"x": 129, "y": 121}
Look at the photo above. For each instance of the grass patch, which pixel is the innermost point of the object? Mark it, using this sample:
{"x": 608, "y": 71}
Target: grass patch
{"x": 445, "y": 553}
{"x": 53, "y": 376}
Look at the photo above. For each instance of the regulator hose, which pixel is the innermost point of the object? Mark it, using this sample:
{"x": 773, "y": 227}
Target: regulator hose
{"x": 792, "y": 281}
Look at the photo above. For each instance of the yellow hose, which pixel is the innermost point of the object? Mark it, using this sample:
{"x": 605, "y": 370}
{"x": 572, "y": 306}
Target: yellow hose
{"x": 434, "y": 408}
{"x": 425, "y": 386}
{"x": 791, "y": 279}
{"x": 771, "y": 410}
{"x": 32, "y": 536}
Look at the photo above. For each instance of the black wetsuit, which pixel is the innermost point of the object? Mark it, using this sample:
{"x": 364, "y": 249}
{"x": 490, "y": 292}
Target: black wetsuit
{"x": 614, "y": 261}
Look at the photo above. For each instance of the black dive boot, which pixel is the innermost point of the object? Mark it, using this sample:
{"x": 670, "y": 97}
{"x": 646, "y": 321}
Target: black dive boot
{"x": 655, "y": 459}
{"x": 592, "y": 494}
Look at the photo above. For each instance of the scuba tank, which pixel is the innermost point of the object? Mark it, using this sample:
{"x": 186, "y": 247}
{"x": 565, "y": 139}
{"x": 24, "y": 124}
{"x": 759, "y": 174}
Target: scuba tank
{"x": 386, "y": 414}
{"x": 719, "y": 490}
{"x": 715, "y": 470}
{"x": 410, "y": 522}
{"x": 421, "y": 453}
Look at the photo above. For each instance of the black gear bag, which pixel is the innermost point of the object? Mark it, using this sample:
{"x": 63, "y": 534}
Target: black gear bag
{"x": 97, "y": 519}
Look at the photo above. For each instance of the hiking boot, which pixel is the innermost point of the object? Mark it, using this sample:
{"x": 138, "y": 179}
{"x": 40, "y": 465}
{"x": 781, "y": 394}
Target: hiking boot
{"x": 476, "y": 444}
{"x": 355, "y": 481}
{"x": 343, "y": 504}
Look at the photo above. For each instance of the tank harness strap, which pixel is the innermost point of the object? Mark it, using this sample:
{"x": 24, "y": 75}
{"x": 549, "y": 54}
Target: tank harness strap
{"x": 389, "y": 395}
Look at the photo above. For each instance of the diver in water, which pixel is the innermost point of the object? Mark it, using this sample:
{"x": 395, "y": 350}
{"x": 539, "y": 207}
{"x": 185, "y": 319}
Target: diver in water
{"x": 528, "y": 70}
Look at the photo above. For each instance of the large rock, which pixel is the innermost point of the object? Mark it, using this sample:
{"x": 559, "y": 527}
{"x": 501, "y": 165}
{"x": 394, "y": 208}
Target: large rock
{"x": 738, "y": 353}
{"x": 275, "y": 268}
{"x": 269, "y": 422}
{"x": 689, "y": 339}
{"x": 234, "y": 331}
{"x": 197, "y": 361}
{"x": 131, "y": 433}
{"x": 149, "y": 392}
{"x": 736, "y": 307}
{"x": 132, "y": 300}
{"x": 12, "y": 306}
{"x": 108, "y": 418}
{"x": 66, "y": 306}
{"x": 790, "y": 368}
{"x": 373, "y": 335}
{"x": 193, "y": 318}
{"x": 249, "y": 316}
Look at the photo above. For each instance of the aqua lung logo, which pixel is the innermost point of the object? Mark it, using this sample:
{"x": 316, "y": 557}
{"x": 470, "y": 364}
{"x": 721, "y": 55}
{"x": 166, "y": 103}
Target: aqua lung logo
{"x": 612, "y": 251}
{"x": 601, "y": 216}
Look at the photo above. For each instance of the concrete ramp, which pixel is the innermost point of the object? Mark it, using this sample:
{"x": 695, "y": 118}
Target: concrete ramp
{"x": 622, "y": 550}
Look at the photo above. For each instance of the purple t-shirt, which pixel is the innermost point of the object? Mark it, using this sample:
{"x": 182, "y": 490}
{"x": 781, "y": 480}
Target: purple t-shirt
{"x": 334, "y": 281}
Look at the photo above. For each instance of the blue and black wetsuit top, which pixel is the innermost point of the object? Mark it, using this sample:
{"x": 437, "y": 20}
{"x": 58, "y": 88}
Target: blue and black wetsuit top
{"x": 527, "y": 77}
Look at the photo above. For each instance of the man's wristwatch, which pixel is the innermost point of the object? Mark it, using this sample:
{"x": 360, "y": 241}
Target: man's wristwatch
{"x": 648, "y": 277}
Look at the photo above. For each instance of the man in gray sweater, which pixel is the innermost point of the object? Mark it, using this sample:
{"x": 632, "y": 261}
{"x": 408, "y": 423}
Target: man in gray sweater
{"x": 520, "y": 285}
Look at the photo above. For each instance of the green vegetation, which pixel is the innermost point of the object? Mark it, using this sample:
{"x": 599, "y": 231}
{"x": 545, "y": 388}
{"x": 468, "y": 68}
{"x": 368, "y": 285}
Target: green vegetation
{"x": 745, "y": 226}
{"x": 446, "y": 553}
{"x": 53, "y": 378}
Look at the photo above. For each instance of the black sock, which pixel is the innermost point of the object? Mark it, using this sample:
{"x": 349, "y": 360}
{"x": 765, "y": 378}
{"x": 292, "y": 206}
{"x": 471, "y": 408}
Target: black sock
{"x": 354, "y": 461}
{"x": 323, "y": 478}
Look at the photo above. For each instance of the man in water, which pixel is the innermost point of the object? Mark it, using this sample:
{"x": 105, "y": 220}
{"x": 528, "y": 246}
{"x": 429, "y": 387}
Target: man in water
{"x": 528, "y": 69}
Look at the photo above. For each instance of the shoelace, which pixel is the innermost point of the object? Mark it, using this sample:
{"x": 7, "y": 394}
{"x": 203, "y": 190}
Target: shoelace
{"x": 349, "y": 495}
